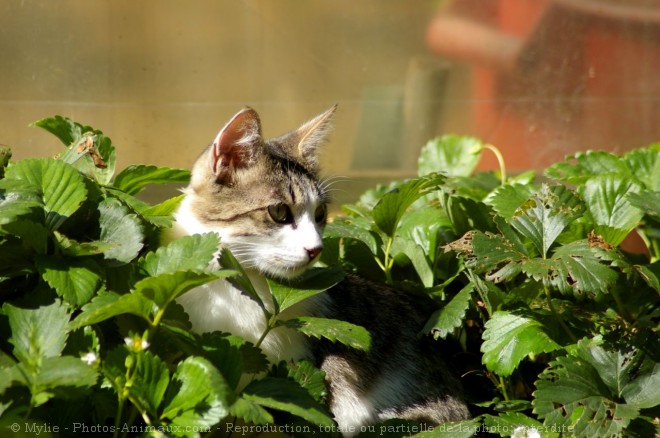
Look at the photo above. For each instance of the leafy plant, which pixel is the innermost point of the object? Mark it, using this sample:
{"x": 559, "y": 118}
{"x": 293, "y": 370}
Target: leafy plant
{"x": 557, "y": 323}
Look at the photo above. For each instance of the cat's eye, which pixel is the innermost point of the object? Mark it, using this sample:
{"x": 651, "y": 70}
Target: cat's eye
{"x": 281, "y": 213}
{"x": 321, "y": 213}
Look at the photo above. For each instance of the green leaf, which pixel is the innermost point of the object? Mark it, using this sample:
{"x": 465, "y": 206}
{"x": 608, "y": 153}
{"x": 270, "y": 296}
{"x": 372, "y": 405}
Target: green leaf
{"x": 165, "y": 288}
{"x": 348, "y": 228}
{"x": 443, "y": 321}
{"x": 509, "y": 338}
{"x": 197, "y": 395}
{"x": 136, "y": 177}
{"x": 59, "y": 376}
{"x": 241, "y": 280}
{"x": 5, "y": 157}
{"x": 645, "y": 166}
{"x": 575, "y": 268}
{"x": 72, "y": 248}
{"x": 150, "y": 381}
{"x": 582, "y": 393}
{"x": 121, "y": 230}
{"x": 450, "y": 154}
{"x": 308, "y": 377}
{"x": 346, "y": 333}
{"x": 160, "y": 215}
{"x": 37, "y": 333}
{"x": 643, "y": 392}
{"x": 17, "y": 198}
{"x": 389, "y": 210}
{"x": 311, "y": 283}
{"x": 63, "y": 128}
{"x": 288, "y": 396}
{"x": 544, "y": 216}
{"x": 580, "y": 167}
{"x": 62, "y": 188}
{"x": 646, "y": 201}
{"x": 250, "y": 411}
{"x": 417, "y": 257}
{"x": 453, "y": 429}
{"x": 188, "y": 253}
{"x": 76, "y": 280}
{"x": 506, "y": 199}
{"x": 109, "y": 304}
{"x": 613, "y": 214}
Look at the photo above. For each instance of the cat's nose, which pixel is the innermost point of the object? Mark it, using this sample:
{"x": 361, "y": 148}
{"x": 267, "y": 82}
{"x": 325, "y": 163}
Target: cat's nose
{"x": 313, "y": 252}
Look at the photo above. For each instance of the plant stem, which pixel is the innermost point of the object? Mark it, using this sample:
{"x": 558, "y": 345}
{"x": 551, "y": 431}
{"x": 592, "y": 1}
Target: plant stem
{"x": 500, "y": 160}
{"x": 503, "y": 390}
{"x": 388, "y": 262}
{"x": 561, "y": 321}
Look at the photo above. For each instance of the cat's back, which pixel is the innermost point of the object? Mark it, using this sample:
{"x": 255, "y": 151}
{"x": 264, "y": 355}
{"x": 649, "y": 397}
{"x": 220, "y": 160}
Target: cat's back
{"x": 402, "y": 375}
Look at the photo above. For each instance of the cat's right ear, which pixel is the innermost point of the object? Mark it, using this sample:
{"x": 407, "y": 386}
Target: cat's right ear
{"x": 236, "y": 145}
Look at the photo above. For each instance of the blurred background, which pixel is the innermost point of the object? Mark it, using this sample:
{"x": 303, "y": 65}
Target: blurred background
{"x": 537, "y": 78}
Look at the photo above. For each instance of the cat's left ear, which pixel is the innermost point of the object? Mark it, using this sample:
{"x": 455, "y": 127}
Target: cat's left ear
{"x": 236, "y": 144}
{"x": 310, "y": 136}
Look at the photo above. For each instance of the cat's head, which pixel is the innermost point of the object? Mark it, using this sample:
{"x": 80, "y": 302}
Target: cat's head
{"x": 263, "y": 197}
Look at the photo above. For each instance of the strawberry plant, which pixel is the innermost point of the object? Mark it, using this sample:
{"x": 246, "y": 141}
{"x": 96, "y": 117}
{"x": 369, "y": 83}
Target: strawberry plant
{"x": 557, "y": 324}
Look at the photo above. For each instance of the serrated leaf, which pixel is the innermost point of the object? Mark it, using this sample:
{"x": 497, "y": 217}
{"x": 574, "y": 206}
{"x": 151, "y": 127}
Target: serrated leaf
{"x": 545, "y": 215}
{"x": 188, "y": 253}
{"x": 241, "y": 280}
{"x": 197, "y": 395}
{"x": 646, "y": 201}
{"x": 506, "y": 199}
{"x": 575, "y": 268}
{"x": 160, "y": 215}
{"x": 509, "y": 338}
{"x": 121, "y": 230}
{"x": 645, "y": 166}
{"x": 109, "y": 304}
{"x": 347, "y": 228}
{"x": 311, "y": 283}
{"x": 66, "y": 372}
{"x": 17, "y": 198}
{"x": 613, "y": 214}
{"x": 250, "y": 411}
{"x": 163, "y": 289}
{"x": 580, "y": 167}
{"x": 413, "y": 252}
{"x": 516, "y": 424}
{"x": 73, "y": 248}
{"x": 451, "y": 154}
{"x": 63, "y": 128}
{"x": 576, "y": 391}
{"x": 37, "y": 333}
{"x": 443, "y": 321}
{"x": 61, "y": 186}
{"x": 150, "y": 381}
{"x": 287, "y": 395}
{"x": 333, "y": 330}
{"x": 388, "y": 211}
{"x": 308, "y": 377}
{"x": 134, "y": 178}
{"x": 74, "y": 279}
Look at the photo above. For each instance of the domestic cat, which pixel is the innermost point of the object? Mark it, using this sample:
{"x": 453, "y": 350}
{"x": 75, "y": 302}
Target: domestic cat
{"x": 266, "y": 202}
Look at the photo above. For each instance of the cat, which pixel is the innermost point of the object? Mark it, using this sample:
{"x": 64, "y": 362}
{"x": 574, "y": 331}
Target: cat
{"x": 266, "y": 202}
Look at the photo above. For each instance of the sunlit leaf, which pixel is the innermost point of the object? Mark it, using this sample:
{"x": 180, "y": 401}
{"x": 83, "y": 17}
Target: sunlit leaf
{"x": 509, "y": 338}
{"x": 134, "y": 178}
{"x": 74, "y": 279}
{"x": 197, "y": 395}
{"x": 287, "y": 395}
{"x": 333, "y": 330}
{"x": 313, "y": 282}
{"x": 452, "y": 155}
{"x": 61, "y": 186}
{"x": 188, "y": 253}
{"x": 17, "y": 198}
{"x": 613, "y": 214}
{"x": 443, "y": 321}
{"x": 121, "y": 230}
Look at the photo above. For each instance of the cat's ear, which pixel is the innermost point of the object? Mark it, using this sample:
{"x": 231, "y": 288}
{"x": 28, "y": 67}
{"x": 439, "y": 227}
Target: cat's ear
{"x": 236, "y": 145}
{"x": 306, "y": 139}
